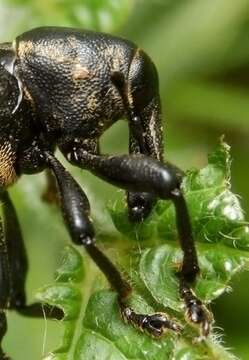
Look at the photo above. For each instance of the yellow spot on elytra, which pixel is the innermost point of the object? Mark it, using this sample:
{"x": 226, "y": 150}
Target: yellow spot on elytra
{"x": 81, "y": 72}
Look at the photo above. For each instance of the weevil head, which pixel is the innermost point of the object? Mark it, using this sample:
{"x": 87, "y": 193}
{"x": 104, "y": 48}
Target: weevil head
{"x": 16, "y": 126}
{"x": 7, "y": 61}
{"x": 9, "y": 93}
{"x": 8, "y": 127}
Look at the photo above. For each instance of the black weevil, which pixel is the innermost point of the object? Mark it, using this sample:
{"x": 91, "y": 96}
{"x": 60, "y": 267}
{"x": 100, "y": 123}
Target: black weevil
{"x": 62, "y": 88}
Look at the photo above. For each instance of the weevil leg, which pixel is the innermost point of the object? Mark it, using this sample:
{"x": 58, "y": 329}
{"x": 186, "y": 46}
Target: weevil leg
{"x": 5, "y": 286}
{"x": 13, "y": 269}
{"x": 14, "y": 263}
{"x": 3, "y": 330}
{"x": 76, "y": 212}
{"x": 140, "y": 94}
{"x": 144, "y": 174}
{"x": 15, "y": 260}
{"x": 196, "y": 312}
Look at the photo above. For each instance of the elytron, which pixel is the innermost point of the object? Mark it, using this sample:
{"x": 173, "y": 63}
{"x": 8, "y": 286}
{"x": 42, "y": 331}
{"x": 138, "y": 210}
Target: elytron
{"x": 62, "y": 88}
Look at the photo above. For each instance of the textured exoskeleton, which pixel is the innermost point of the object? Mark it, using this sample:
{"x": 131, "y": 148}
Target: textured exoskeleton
{"x": 62, "y": 88}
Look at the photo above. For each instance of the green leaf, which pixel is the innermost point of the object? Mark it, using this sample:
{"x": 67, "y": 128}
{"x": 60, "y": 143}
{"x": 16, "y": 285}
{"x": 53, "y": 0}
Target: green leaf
{"x": 101, "y": 15}
{"x": 149, "y": 254}
{"x": 229, "y": 103}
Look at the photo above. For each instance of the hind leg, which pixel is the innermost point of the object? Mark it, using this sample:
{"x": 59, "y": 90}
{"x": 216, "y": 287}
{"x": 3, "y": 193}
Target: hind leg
{"x": 141, "y": 100}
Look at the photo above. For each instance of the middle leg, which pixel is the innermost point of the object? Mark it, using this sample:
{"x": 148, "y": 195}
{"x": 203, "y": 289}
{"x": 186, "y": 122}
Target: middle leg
{"x": 141, "y": 173}
{"x": 76, "y": 212}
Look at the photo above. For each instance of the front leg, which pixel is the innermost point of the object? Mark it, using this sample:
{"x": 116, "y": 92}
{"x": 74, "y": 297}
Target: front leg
{"x": 13, "y": 271}
{"x": 140, "y": 173}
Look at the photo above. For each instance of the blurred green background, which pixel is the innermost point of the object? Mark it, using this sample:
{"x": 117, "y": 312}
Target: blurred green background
{"x": 201, "y": 49}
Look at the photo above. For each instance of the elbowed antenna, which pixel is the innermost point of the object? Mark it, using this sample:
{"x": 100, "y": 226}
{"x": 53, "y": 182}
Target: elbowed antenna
{"x": 7, "y": 60}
